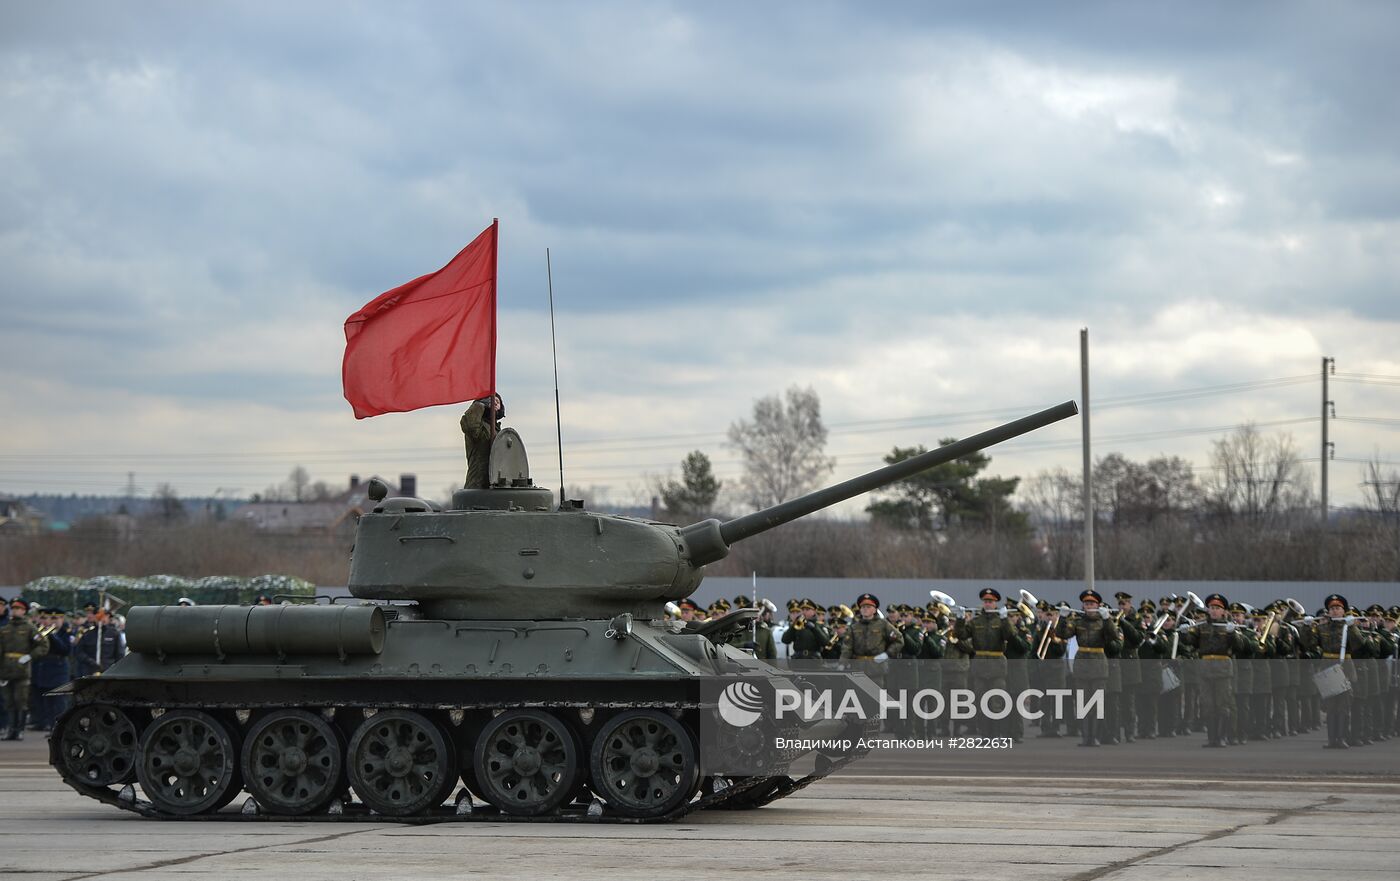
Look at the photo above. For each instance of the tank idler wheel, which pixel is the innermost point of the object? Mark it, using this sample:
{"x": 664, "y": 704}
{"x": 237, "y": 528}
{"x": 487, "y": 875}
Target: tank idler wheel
{"x": 527, "y": 762}
{"x": 643, "y": 764}
{"x": 293, "y": 762}
{"x": 188, "y": 763}
{"x": 97, "y": 745}
{"x": 400, "y": 763}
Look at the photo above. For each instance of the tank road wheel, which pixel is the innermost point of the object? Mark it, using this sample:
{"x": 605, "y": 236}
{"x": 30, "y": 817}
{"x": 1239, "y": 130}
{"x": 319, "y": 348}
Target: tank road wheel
{"x": 292, "y": 762}
{"x": 644, "y": 764}
{"x": 97, "y": 745}
{"x": 188, "y": 763}
{"x": 526, "y": 762}
{"x": 400, "y": 763}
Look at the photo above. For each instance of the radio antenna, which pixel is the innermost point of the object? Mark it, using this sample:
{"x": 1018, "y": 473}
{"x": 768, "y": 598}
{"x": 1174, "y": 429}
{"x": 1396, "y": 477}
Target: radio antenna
{"x": 554, "y": 351}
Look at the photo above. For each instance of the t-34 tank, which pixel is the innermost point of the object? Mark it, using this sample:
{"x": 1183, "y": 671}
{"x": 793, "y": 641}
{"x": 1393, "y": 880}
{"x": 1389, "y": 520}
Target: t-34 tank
{"x": 508, "y": 643}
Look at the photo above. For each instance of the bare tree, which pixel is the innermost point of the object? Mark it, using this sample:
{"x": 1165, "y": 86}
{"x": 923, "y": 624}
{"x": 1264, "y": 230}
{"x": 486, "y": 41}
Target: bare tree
{"x": 782, "y": 447}
{"x": 1054, "y": 504}
{"x": 169, "y": 508}
{"x": 299, "y": 480}
{"x": 1380, "y": 492}
{"x": 1256, "y": 477}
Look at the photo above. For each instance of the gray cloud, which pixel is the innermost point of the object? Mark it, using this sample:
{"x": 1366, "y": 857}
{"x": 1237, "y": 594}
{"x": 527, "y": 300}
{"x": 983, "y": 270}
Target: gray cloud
{"x": 737, "y": 197}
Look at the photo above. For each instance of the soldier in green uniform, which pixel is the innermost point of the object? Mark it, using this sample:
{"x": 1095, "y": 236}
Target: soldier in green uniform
{"x": 807, "y": 635}
{"x": 1310, "y": 660}
{"x": 764, "y": 647}
{"x": 989, "y": 633}
{"x": 1018, "y": 653}
{"x": 1390, "y": 726}
{"x": 838, "y": 623}
{"x": 1218, "y": 641}
{"x": 1329, "y": 631}
{"x": 1150, "y": 652}
{"x": 1244, "y": 681}
{"x": 1281, "y": 670}
{"x": 1094, "y": 633}
{"x": 1362, "y": 686}
{"x": 1170, "y": 703}
{"x": 1263, "y": 687}
{"x": 870, "y": 634}
{"x": 1051, "y": 666}
{"x": 1123, "y": 715}
{"x": 690, "y": 610}
{"x": 20, "y": 643}
{"x": 480, "y": 425}
{"x": 1382, "y": 648}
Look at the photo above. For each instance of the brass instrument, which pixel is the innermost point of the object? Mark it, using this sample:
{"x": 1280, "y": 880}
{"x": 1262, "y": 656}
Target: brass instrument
{"x": 1263, "y": 633}
{"x": 1024, "y": 605}
{"x": 1045, "y": 638}
{"x": 800, "y": 623}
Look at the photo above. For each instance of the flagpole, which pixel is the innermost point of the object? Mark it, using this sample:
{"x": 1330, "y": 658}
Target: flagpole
{"x": 554, "y": 351}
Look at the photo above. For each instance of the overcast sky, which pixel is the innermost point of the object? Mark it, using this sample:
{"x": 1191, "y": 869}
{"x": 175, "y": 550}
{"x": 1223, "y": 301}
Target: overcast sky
{"x": 910, "y": 207}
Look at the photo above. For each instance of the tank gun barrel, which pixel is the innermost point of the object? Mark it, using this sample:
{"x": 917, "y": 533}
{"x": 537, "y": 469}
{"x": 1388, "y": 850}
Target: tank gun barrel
{"x": 709, "y": 540}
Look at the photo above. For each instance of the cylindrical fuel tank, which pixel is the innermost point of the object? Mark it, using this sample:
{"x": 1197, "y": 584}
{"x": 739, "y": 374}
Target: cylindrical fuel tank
{"x": 256, "y": 630}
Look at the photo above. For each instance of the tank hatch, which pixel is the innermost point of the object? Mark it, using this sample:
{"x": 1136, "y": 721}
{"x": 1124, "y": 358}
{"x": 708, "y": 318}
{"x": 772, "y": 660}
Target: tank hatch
{"x": 511, "y": 487}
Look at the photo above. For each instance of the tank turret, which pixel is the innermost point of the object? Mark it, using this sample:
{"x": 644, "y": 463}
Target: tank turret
{"x": 506, "y": 551}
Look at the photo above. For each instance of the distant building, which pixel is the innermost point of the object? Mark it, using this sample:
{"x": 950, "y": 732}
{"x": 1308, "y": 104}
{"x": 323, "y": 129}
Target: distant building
{"x": 17, "y": 518}
{"x": 332, "y": 516}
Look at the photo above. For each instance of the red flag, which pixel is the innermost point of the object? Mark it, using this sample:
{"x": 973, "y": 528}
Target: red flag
{"x": 430, "y": 341}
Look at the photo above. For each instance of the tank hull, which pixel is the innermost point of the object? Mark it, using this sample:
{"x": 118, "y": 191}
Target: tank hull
{"x": 455, "y": 680}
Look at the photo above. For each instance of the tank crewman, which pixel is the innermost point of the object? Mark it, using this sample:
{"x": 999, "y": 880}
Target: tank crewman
{"x": 1052, "y": 669}
{"x": 870, "y": 634}
{"x": 479, "y": 428}
{"x": 1218, "y": 641}
{"x": 52, "y": 670}
{"x": 20, "y": 645}
{"x": 988, "y": 632}
{"x": 807, "y": 636}
{"x": 100, "y": 644}
{"x": 1095, "y": 633}
{"x": 262, "y": 599}
{"x": 1123, "y": 712}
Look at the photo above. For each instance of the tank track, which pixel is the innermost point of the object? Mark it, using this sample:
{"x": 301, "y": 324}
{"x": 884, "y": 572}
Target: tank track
{"x": 761, "y": 790}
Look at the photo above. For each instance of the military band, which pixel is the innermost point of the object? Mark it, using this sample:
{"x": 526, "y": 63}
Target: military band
{"x": 1232, "y": 672}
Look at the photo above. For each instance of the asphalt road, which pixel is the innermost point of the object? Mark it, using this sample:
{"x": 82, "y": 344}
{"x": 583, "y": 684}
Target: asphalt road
{"x": 1124, "y": 819}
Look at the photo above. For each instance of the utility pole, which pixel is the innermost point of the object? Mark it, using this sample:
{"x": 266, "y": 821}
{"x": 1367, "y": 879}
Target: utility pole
{"x": 1328, "y": 447}
{"x": 1088, "y": 475}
